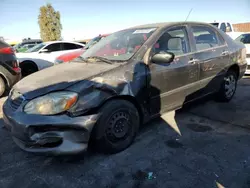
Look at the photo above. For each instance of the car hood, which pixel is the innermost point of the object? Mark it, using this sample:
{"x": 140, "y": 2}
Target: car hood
{"x": 59, "y": 77}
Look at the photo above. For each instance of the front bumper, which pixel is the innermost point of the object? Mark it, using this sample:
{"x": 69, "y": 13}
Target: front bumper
{"x": 56, "y": 135}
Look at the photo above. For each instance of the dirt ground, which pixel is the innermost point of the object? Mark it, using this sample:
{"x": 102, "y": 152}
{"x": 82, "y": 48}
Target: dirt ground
{"x": 207, "y": 146}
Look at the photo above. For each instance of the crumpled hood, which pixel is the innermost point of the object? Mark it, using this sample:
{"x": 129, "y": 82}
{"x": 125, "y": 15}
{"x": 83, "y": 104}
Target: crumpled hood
{"x": 59, "y": 77}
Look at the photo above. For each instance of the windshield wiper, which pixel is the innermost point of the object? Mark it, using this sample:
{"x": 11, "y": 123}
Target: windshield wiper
{"x": 101, "y": 58}
{"x": 80, "y": 58}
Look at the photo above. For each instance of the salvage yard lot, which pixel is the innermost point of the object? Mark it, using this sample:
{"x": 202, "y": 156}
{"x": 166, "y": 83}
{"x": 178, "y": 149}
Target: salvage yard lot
{"x": 213, "y": 147}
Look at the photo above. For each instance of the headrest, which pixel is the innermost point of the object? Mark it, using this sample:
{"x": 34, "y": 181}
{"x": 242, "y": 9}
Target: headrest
{"x": 175, "y": 43}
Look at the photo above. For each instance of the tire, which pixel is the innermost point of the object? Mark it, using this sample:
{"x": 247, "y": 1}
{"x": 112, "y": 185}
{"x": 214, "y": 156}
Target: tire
{"x": 228, "y": 87}
{"x": 2, "y": 87}
{"x": 28, "y": 67}
{"x": 117, "y": 126}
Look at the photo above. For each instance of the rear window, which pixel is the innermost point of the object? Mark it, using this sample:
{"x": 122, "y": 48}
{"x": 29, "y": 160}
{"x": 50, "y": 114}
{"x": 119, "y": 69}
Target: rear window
{"x": 245, "y": 38}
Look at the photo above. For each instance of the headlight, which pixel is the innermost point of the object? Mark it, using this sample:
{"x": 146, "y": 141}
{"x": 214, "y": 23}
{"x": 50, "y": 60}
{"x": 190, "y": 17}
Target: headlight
{"x": 52, "y": 103}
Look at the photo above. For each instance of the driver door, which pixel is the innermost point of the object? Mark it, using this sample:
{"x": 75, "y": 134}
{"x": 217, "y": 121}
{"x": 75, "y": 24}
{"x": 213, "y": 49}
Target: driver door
{"x": 171, "y": 83}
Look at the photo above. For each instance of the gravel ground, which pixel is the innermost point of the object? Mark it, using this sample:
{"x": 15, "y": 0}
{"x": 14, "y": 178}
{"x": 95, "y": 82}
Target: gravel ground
{"x": 205, "y": 145}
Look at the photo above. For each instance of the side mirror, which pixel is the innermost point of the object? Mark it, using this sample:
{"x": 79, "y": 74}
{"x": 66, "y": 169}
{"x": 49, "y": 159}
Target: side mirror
{"x": 44, "y": 51}
{"x": 163, "y": 58}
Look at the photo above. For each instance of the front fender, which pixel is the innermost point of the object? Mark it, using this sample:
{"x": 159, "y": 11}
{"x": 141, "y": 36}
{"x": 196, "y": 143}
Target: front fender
{"x": 126, "y": 82}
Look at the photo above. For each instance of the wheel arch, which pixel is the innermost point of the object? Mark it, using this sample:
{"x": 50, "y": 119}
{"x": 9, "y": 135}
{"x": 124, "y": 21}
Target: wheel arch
{"x": 28, "y": 62}
{"x": 6, "y": 81}
{"x": 235, "y": 68}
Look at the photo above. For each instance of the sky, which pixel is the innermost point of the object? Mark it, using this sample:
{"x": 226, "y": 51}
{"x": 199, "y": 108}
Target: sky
{"x": 83, "y": 19}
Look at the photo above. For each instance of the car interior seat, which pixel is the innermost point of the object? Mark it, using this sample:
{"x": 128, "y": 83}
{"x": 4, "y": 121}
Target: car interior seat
{"x": 205, "y": 41}
{"x": 175, "y": 45}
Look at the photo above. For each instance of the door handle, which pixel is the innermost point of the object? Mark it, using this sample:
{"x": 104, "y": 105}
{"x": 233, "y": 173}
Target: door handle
{"x": 193, "y": 61}
{"x": 225, "y": 53}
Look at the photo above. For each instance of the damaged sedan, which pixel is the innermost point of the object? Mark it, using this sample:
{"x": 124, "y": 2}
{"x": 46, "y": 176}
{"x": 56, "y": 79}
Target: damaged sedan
{"x": 123, "y": 81}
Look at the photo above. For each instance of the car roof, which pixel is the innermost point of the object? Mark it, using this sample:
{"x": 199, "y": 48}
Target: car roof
{"x": 52, "y": 42}
{"x": 166, "y": 24}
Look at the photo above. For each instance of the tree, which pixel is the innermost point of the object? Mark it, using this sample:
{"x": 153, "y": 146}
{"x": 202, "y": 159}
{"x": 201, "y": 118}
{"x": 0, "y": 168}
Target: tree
{"x": 49, "y": 23}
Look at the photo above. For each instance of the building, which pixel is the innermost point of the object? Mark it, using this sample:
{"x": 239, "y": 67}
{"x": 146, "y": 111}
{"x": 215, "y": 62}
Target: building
{"x": 242, "y": 27}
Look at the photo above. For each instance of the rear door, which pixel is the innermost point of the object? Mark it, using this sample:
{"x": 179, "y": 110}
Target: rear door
{"x": 212, "y": 53}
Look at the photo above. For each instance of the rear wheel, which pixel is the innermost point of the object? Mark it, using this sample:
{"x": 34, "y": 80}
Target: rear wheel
{"x": 228, "y": 87}
{"x": 28, "y": 67}
{"x": 116, "y": 127}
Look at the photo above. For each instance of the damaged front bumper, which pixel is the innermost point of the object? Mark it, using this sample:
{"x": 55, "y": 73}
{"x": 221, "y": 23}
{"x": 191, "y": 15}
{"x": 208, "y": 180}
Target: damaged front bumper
{"x": 56, "y": 135}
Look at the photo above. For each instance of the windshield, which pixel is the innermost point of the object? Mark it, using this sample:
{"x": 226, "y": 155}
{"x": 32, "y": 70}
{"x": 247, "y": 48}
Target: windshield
{"x": 92, "y": 42}
{"x": 120, "y": 46}
{"x": 244, "y": 38}
{"x": 215, "y": 24}
{"x": 36, "y": 47}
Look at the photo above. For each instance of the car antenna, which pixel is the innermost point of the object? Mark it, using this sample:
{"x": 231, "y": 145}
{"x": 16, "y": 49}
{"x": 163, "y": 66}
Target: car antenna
{"x": 189, "y": 14}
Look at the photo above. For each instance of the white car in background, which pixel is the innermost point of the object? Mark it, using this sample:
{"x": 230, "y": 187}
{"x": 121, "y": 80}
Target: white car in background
{"x": 228, "y": 28}
{"x": 245, "y": 39}
{"x": 44, "y": 54}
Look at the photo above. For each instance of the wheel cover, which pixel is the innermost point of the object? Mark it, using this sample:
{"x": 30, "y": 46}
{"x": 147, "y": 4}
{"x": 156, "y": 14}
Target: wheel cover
{"x": 230, "y": 86}
{"x": 119, "y": 126}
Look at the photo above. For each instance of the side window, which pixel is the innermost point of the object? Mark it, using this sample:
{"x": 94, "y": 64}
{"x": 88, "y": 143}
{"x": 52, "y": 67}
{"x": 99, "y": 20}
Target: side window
{"x": 174, "y": 40}
{"x": 205, "y": 37}
{"x": 223, "y": 27}
{"x": 229, "y": 28}
{"x": 79, "y": 46}
{"x": 69, "y": 46}
{"x": 54, "y": 47}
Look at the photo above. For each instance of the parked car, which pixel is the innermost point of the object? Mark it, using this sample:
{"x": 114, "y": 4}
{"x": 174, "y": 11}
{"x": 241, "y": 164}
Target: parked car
{"x": 228, "y": 28}
{"x": 25, "y": 47}
{"x": 43, "y": 55}
{"x": 72, "y": 55}
{"x": 245, "y": 39}
{"x": 10, "y": 73}
{"x": 19, "y": 47}
{"x": 123, "y": 81}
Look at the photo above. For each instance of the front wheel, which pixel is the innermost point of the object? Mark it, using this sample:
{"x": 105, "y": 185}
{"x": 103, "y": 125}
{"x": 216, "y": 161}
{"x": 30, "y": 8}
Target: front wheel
{"x": 117, "y": 126}
{"x": 228, "y": 87}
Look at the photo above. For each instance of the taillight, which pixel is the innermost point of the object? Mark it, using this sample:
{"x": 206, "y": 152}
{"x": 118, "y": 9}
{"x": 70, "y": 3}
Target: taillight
{"x": 15, "y": 66}
{"x": 6, "y": 50}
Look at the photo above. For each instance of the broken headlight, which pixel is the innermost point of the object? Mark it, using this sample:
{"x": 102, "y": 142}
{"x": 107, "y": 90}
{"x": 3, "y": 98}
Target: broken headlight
{"x": 52, "y": 103}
